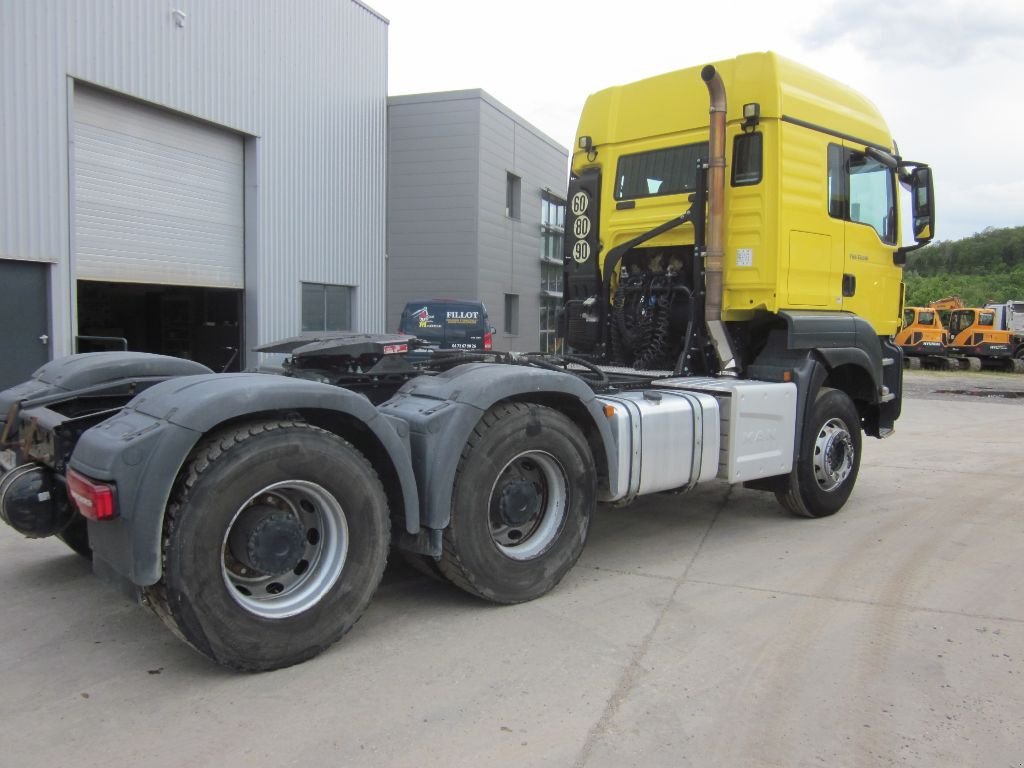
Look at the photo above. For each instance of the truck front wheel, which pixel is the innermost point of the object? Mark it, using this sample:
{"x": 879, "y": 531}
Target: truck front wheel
{"x": 524, "y": 492}
{"x": 274, "y": 542}
{"x": 824, "y": 475}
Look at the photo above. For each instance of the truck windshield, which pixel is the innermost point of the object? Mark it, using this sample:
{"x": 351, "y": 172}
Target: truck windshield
{"x": 659, "y": 172}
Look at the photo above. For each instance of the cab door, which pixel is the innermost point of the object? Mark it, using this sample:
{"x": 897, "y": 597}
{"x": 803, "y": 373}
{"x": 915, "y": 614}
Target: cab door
{"x": 870, "y": 280}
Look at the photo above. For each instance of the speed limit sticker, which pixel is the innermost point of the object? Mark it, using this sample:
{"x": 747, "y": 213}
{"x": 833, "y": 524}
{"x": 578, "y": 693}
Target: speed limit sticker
{"x": 580, "y": 202}
{"x": 581, "y": 227}
{"x": 581, "y": 251}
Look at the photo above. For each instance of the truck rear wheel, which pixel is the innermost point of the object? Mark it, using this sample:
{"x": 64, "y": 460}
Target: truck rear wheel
{"x": 524, "y": 492}
{"x": 274, "y": 542}
{"x": 823, "y": 477}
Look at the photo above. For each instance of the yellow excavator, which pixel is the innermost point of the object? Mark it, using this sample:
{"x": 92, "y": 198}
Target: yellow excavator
{"x": 923, "y": 339}
{"x": 974, "y": 339}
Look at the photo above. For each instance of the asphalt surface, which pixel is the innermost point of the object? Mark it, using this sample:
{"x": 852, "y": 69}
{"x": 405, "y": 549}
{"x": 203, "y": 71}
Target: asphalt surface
{"x": 697, "y": 630}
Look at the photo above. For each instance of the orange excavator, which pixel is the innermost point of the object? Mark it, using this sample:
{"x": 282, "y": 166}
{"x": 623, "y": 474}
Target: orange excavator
{"x": 975, "y": 337}
{"x": 923, "y": 339}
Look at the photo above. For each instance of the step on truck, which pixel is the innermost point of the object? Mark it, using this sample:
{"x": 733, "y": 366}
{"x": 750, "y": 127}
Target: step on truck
{"x": 731, "y": 287}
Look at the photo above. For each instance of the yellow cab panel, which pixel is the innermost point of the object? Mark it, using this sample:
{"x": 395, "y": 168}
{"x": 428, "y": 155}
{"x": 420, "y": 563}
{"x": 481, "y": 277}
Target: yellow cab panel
{"x": 811, "y": 220}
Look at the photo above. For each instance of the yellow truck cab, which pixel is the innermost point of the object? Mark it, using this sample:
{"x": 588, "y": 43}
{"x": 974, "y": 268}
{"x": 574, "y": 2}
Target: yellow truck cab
{"x": 799, "y": 255}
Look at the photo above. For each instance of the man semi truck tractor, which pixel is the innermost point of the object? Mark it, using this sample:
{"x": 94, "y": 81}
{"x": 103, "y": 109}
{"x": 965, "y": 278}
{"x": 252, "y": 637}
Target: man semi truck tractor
{"x": 731, "y": 287}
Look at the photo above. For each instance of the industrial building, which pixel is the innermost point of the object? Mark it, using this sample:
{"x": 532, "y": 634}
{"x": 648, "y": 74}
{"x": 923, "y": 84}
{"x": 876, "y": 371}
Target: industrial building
{"x": 476, "y": 210}
{"x": 191, "y": 178}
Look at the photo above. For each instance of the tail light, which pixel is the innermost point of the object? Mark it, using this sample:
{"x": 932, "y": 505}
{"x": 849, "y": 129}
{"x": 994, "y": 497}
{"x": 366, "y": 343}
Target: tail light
{"x": 95, "y": 500}
{"x": 487, "y": 339}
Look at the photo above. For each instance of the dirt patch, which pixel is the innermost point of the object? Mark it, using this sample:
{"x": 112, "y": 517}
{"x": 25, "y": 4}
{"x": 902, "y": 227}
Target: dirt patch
{"x": 963, "y": 385}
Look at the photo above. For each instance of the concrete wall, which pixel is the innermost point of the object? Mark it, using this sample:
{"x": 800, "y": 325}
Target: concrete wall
{"x": 305, "y": 82}
{"x": 448, "y": 234}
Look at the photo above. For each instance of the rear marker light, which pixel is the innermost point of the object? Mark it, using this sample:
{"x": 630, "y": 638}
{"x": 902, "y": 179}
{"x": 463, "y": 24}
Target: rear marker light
{"x": 94, "y": 500}
{"x": 488, "y": 340}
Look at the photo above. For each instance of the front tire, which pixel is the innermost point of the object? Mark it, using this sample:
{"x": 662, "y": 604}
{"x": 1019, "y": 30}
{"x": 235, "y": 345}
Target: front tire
{"x": 524, "y": 492}
{"x": 274, "y": 542}
{"x": 826, "y": 471}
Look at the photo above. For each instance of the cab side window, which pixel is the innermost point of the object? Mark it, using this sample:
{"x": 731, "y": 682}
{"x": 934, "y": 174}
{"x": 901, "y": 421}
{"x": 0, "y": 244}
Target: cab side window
{"x": 861, "y": 190}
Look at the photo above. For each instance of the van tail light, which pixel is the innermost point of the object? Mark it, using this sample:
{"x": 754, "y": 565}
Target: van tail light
{"x": 487, "y": 339}
{"x": 95, "y": 500}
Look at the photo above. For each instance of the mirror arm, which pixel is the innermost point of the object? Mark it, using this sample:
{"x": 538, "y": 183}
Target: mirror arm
{"x": 899, "y": 256}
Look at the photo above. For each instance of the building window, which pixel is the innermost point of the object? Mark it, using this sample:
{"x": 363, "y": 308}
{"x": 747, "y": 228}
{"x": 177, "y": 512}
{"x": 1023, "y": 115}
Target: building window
{"x": 512, "y": 314}
{"x": 552, "y": 227}
{"x": 549, "y": 341}
{"x": 552, "y": 271}
{"x": 551, "y": 277}
{"x": 326, "y": 307}
{"x": 513, "y": 195}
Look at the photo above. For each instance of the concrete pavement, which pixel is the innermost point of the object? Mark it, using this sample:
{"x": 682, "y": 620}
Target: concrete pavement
{"x": 698, "y": 630}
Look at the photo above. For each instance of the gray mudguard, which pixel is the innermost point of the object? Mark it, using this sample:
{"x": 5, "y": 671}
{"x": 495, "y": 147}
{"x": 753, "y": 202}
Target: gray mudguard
{"x": 92, "y": 370}
{"x": 143, "y": 448}
{"x": 840, "y": 338}
{"x": 443, "y": 410}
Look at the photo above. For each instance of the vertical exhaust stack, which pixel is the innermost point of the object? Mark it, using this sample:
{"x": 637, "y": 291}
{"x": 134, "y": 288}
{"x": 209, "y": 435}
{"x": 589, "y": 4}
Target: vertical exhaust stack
{"x": 716, "y": 225}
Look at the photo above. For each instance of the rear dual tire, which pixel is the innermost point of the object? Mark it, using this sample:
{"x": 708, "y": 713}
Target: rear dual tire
{"x": 291, "y": 499}
{"x": 524, "y": 492}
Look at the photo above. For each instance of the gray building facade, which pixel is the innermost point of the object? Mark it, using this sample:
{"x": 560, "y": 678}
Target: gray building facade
{"x": 475, "y": 211}
{"x": 188, "y": 175}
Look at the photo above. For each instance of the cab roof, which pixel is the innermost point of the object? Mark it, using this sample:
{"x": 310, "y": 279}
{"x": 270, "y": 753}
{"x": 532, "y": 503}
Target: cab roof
{"x": 678, "y": 101}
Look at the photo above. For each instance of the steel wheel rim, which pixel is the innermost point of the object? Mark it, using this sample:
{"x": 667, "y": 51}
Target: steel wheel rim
{"x": 321, "y": 564}
{"x": 533, "y": 537}
{"x": 833, "y": 455}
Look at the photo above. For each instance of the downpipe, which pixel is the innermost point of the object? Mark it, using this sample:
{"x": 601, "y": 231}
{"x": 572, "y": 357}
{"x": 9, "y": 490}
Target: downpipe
{"x": 715, "y": 248}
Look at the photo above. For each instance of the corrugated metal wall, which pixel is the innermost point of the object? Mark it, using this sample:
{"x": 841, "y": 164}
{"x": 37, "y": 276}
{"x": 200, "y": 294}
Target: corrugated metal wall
{"x": 306, "y": 80}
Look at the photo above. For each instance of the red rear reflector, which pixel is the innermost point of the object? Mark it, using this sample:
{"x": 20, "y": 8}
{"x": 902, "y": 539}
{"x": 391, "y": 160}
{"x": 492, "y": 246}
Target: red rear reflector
{"x": 487, "y": 339}
{"x": 94, "y": 500}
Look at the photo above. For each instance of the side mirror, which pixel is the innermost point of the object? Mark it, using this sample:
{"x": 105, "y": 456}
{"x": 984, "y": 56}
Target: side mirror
{"x": 922, "y": 196}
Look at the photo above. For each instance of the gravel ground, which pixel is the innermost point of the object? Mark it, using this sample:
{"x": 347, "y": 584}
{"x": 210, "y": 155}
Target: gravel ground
{"x": 988, "y": 386}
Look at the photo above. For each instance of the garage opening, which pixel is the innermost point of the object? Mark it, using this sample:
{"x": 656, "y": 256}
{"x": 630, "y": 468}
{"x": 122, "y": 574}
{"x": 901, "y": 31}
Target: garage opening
{"x": 196, "y": 323}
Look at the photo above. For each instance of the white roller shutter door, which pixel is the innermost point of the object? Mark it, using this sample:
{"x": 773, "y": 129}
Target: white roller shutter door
{"x": 157, "y": 196}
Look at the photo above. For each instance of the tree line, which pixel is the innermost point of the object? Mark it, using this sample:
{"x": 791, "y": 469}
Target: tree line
{"x": 984, "y": 268}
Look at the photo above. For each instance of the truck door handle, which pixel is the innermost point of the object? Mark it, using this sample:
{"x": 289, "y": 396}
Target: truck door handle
{"x": 45, "y": 339}
{"x": 849, "y": 285}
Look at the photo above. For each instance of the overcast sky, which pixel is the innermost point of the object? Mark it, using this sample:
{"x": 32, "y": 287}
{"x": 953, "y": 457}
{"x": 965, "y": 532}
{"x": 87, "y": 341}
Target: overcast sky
{"x": 947, "y": 75}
